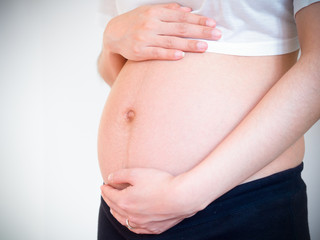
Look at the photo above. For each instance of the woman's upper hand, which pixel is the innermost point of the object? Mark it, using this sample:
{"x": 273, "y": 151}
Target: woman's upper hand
{"x": 158, "y": 32}
{"x": 153, "y": 202}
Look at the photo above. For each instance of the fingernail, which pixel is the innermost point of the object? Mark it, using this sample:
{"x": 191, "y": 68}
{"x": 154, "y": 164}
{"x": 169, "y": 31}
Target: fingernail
{"x": 110, "y": 177}
{"x": 210, "y": 23}
{"x": 179, "y": 54}
{"x": 202, "y": 46}
{"x": 216, "y": 33}
{"x": 111, "y": 211}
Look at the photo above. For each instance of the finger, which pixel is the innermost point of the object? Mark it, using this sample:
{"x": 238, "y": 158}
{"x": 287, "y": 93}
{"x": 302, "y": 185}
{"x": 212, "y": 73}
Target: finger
{"x": 118, "y": 217}
{"x": 176, "y": 6}
{"x": 185, "y": 9}
{"x": 171, "y": 15}
{"x": 113, "y": 198}
{"x": 110, "y": 203}
{"x": 189, "y": 31}
{"x": 133, "y": 221}
{"x": 140, "y": 231}
{"x": 158, "y": 53}
{"x": 121, "y": 176}
{"x": 182, "y": 44}
{"x": 157, "y": 227}
{"x": 122, "y": 219}
{"x": 108, "y": 191}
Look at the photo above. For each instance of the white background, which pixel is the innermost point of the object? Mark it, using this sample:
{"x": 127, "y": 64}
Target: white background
{"x": 51, "y": 98}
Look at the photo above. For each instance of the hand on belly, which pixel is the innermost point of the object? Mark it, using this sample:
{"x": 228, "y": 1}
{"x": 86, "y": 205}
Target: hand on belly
{"x": 156, "y": 118}
{"x": 152, "y": 201}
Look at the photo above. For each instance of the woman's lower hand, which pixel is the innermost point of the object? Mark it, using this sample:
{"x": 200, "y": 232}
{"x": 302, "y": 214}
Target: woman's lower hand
{"x": 153, "y": 202}
{"x": 158, "y": 32}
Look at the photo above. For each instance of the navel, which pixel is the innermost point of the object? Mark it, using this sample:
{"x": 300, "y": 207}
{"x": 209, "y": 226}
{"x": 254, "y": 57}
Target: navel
{"x": 130, "y": 115}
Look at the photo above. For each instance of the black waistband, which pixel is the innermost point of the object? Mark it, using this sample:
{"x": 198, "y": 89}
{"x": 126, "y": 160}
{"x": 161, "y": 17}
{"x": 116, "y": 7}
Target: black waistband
{"x": 273, "y": 179}
{"x": 269, "y": 195}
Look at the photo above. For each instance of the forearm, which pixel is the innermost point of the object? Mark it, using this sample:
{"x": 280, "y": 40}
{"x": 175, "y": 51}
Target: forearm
{"x": 285, "y": 113}
{"x": 109, "y": 65}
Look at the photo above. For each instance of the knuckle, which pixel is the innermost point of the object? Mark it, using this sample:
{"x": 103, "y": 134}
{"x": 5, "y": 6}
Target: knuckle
{"x": 207, "y": 31}
{"x": 136, "y": 50}
{"x": 202, "y": 21}
{"x": 150, "y": 11}
{"x": 183, "y": 28}
{"x": 139, "y": 37}
{"x": 123, "y": 205}
{"x": 137, "y": 221}
{"x": 147, "y": 25}
{"x": 183, "y": 17}
{"x": 155, "y": 230}
{"x": 169, "y": 43}
{"x": 173, "y": 6}
{"x": 155, "y": 53}
{"x": 192, "y": 44}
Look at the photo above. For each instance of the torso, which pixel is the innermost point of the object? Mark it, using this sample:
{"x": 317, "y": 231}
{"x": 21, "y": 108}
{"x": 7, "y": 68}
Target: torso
{"x": 170, "y": 115}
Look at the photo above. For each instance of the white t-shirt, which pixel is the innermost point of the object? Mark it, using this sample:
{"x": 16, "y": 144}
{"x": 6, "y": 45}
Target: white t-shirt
{"x": 249, "y": 27}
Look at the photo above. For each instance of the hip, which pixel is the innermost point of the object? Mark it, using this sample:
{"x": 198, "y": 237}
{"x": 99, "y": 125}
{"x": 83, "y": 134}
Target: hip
{"x": 274, "y": 207}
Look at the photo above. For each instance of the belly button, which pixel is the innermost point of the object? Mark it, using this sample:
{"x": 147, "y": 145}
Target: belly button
{"x": 130, "y": 115}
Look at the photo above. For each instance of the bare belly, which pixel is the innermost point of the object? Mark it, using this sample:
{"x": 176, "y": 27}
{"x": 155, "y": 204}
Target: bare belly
{"x": 171, "y": 115}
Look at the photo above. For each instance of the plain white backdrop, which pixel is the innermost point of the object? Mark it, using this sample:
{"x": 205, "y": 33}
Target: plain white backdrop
{"x": 51, "y": 98}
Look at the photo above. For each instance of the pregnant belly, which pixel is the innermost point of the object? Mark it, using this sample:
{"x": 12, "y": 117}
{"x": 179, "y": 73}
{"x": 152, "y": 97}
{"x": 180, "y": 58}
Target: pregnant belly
{"x": 171, "y": 115}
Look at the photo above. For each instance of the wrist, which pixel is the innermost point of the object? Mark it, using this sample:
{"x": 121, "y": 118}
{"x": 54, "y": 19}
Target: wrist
{"x": 109, "y": 65}
{"x": 111, "y": 37}
{"x": 109, "y": 50}
{"x": 189, "y": 191}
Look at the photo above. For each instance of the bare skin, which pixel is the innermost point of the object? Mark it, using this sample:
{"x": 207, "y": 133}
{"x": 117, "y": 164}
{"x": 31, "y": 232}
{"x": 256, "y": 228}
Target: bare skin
{"x": 153, "y": 32}
{"x": 203, "y": 125}
{"x": 160, "y": 118}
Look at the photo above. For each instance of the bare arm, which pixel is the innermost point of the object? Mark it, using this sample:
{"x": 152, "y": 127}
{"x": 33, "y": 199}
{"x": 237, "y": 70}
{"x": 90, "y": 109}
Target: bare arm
{"x": 153, "y": 32}
{"x": 109, "y": 65}
{"x": 284, "y": 114}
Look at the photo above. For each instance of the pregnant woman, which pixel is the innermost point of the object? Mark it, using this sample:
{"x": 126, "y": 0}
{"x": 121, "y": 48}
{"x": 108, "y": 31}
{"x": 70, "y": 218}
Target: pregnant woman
{"x": 202, "y": 133}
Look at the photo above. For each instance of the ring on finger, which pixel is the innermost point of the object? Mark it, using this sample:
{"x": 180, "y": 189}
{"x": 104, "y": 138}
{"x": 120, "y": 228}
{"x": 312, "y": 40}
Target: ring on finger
{"x": 128, "y": 224}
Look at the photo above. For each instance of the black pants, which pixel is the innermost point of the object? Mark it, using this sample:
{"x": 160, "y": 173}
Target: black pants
{"x": 271, "y": 208}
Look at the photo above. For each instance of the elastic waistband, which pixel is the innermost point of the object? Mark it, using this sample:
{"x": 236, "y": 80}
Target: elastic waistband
{"x": 226, "y": 213}
{"x": 280, "y": 177}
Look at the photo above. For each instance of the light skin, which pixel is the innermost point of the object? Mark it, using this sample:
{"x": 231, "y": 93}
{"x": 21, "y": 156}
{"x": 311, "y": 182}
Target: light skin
{"x": 153, "y": 32}
{"x": 283, "y": 115}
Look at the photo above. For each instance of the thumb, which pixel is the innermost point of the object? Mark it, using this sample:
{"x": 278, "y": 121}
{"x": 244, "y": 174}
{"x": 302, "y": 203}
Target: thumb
{"x": 121, "y": 176}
